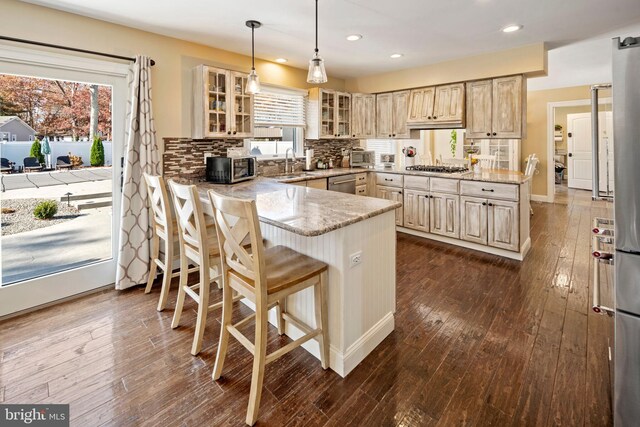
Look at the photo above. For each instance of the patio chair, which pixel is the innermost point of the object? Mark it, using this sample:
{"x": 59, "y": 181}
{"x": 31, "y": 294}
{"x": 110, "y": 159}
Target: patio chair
{"x": 31, "y": 164}
{"x": 7, "y": 166}
{"x": 63, "y": 162}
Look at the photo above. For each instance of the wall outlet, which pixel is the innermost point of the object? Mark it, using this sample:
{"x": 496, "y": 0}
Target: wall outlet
{"x": 207, "y": 155}
{"x": 356, "y": 258}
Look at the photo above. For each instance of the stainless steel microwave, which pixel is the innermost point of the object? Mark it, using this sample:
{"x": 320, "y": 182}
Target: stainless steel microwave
{"x": 229, "y": 170}
{"x": 363, "y": 159}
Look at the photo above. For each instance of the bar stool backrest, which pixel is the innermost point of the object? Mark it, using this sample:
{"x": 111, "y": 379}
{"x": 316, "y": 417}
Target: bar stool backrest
{"x": 192, "y": 229}
{"x": 162, "y": 216}
{"x": 237, "y": 219}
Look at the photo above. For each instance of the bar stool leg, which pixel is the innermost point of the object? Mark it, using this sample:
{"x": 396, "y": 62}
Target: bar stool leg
{"x": 281, "y": 308}
{"x": 166, "y": 279}
{"x": 259, "y": 357}
{"x": 184, "y": 275}
{"x": 203, "y": 309}
{"x": 320, "y": 309}
{"x": 227, "y": 308}
{"x": 153, "y": 268}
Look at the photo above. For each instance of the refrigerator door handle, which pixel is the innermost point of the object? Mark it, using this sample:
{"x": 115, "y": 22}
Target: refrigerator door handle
{"x": 597, "y": 239}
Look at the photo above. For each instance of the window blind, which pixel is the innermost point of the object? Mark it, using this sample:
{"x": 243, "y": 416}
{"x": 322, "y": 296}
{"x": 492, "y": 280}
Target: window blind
{"x": 277, "y": 108}
{"x": 381, "y": 146}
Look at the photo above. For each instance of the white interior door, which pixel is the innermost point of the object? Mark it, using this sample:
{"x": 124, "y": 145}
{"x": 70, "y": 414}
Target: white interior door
{"x": 88, "y": 272}
{"x": 579, "y": 150}
{"x": 579, "y": 160}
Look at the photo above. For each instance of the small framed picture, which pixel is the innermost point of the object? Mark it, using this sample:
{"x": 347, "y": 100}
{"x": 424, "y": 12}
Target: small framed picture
{"x": 387, "y": 159}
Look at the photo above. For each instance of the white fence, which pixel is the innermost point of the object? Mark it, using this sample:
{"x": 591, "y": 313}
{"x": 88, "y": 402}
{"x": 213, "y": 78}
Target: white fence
{"x": 16, "y": 151}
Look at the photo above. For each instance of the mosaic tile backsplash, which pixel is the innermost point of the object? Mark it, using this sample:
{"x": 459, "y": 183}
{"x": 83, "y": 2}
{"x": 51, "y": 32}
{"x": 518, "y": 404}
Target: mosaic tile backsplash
{"x": 184, "y": 157}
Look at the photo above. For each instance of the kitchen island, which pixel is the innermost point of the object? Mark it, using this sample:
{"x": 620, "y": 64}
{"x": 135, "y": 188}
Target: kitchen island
{"x": 355, "y": 236}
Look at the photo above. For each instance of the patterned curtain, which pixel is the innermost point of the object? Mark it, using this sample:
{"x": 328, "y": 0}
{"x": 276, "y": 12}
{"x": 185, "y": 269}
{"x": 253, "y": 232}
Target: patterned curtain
{"x": 141, "y": 156}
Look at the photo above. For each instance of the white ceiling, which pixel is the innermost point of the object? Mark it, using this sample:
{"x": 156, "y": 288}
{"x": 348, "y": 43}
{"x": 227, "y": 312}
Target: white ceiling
{"x": 425, "y": 31}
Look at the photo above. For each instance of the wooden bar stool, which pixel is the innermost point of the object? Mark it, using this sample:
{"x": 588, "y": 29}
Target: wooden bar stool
{"x": 164, "y": 228}
{"x": 199, "y": 246}
{"x": 266, "y": 277}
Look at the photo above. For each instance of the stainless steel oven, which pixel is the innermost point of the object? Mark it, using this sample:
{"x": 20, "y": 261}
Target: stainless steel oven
{"x": 229, "y": 170}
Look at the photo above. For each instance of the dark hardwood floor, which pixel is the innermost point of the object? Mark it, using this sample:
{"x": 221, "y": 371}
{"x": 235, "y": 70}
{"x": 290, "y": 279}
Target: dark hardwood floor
{"x": 479, "y": 340}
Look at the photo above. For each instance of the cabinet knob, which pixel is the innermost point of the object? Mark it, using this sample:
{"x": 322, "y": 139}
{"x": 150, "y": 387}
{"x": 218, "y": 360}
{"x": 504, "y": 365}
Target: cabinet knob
{"x": 435, "y": 117}
{"x": 389, "y": 135}
{"x": 229, "y": 133}
{"x": 488, "y": 133}
{"x": 484, "y": 203}
{"x": 394, "y": 134}
{"x": 494, "y": 134}
{"x": 429, "y": 117}
{"x": 490, "y": 204}
{"x": 354, "y": 135}
{"x": 234, "y": 132}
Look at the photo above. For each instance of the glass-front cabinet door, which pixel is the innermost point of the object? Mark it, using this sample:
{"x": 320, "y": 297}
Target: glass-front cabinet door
{"x": 328, "y": 114}
{"x": 343, "y": 114}
{"x": 218, "y": 102}
{"x": 242, "y": 113}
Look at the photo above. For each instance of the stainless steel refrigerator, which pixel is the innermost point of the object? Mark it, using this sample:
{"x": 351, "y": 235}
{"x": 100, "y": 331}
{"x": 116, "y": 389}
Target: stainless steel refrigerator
{"x": 626, "y": 118}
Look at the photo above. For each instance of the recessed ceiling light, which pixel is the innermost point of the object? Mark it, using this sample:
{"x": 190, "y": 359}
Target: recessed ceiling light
{"x": 354, "y": 37}
{"x": 511, "y": 28}
{"x": 396, "y": 55}
{"x": 281, "y": 60}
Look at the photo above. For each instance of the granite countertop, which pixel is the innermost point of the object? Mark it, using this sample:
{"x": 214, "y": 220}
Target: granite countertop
{"x": 301, "y": 210}
{"x": 487, "y": 175}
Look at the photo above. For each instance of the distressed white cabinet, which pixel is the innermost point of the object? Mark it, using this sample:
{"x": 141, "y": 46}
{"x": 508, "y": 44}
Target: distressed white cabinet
{"x": 222, "y": 109}
{"x": 473, "y": 219}
{"x": 503, "y": 224}
{"x": 444, "y": 214}
{"x": 496, "y": 108}
{"x": 437, "y": 106}
{"x": 328, "y": 114}
{"x": 416, "y": 210}
{"x": 391, "y": 115}
{"x": 393, "y": 194}
{"x": 363, "y": 115}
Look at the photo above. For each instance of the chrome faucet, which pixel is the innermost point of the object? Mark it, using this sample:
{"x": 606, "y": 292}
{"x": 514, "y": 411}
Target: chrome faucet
{"x": 286, "y": 160}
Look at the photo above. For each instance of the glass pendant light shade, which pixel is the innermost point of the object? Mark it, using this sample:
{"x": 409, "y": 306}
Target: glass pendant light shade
{"x": 253, "y": 83}
{"x": 317, "y": 73}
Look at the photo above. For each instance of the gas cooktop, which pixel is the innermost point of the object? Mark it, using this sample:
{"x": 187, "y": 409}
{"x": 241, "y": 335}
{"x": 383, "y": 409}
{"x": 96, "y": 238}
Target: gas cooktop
{"x": 440, "y": 169}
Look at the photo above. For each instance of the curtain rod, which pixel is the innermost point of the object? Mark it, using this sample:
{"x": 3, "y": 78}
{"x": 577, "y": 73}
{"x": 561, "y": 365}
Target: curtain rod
{"x": 73, "y": 49}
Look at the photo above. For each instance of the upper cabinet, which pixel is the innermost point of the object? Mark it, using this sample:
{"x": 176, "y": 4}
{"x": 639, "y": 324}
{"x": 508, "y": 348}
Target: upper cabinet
{"x": 391, "y": 115}
{"x": 328, "y": 114}
{"x": 363, "y": 115}
{"x": 437, "y": 107}
{"x": 496, "y": 108}
{"x": 222, "y": 109}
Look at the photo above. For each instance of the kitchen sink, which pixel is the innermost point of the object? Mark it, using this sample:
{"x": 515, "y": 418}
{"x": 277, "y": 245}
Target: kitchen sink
{"x": 292, "y": 175}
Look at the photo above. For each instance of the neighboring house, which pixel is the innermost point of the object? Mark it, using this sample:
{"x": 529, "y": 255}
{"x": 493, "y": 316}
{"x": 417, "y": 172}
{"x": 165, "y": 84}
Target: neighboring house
{"x": 13, "y": 128}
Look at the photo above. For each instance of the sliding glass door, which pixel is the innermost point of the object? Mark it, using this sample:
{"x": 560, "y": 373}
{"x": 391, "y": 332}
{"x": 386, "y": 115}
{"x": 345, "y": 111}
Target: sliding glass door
{"x": 63, "y": 130}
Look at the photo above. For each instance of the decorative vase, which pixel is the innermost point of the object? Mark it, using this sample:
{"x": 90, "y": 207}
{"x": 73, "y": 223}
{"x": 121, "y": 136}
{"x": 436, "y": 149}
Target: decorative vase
{"x": 409, "y": 161}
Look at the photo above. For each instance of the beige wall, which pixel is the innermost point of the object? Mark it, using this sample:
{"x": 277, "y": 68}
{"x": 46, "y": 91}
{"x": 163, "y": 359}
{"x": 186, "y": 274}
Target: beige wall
{"x": 530, "y": 60}
{"x": 536, "y": 140}
{"x": 172, "y": 82}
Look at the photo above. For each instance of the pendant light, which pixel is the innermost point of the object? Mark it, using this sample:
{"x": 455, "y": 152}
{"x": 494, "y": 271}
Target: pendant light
{"x": 317, "y": 73}
{"x": 253, "y": 81}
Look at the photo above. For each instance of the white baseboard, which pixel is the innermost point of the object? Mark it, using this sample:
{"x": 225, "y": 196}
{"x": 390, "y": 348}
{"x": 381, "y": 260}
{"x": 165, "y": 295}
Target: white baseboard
{"x": 540, "y": 198}
{"x": 340, "y": 363}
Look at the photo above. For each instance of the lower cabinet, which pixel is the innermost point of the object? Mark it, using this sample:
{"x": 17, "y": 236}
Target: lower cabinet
{"x": 416, "y": 210}
{"x": 490, "y": 222}
{"x": 394, "y": 194}
{"x": 473, "y": 219}
{"x": 320, "y": 183}
{"x": 361, "y": 190}
{"x": 504, "y": 225}
{"x": 444, "y": 214}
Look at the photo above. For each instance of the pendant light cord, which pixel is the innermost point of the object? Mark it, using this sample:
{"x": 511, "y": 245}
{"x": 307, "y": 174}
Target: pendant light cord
{"x": 253, "y": 55}
{"x": 316, "y": 26}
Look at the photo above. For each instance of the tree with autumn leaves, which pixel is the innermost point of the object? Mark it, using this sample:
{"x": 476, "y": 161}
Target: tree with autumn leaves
{"x": 56, "y": 107}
